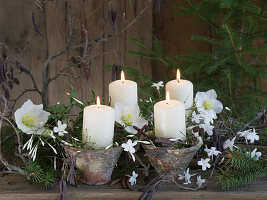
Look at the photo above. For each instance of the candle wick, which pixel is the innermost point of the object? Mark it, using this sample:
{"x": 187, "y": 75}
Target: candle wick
{"x": 178, "y": 81}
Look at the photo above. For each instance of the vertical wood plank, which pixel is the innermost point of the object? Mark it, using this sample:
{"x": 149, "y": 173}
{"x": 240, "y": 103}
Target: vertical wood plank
{"x": 17, "y": 30}
{"x": 141, "y": 30}
{"x": 175, "y": 33}
{"x": 56, "y": 41}
{"x": 114, "y": 48}
{"x": 90, "y": 15}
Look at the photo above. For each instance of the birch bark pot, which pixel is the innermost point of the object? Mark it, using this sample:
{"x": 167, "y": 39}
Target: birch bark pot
{"x": 96, "y": 166}
{"x": 171, "y": 161}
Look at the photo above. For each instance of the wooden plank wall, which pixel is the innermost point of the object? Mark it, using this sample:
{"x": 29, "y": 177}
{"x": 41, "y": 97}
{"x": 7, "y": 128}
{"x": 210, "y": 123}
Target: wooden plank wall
{"x": 17, "y": 30}
{"x": 175, "y": 33}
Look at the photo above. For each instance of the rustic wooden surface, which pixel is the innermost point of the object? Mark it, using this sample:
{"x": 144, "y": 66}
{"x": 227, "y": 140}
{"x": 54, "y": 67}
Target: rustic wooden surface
{"x": 16, "y": 187}
{"x": 18, "y": 31}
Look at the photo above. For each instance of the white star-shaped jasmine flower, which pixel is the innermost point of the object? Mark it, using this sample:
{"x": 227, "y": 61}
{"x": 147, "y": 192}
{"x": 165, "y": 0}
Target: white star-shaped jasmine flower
{"x": 186, "y": 176}
{"x": 132, "y": 179}
{"x": 204, "y": 163}
{"x": 60, "y": 129}
{"x": 158, "y": 85}
{"x": 129, "y": 147}
{"x": 229, "y": 143}
{"x": 252, "y": 136}
{"x": 128, "y": 116}
{"x": 200, "y": 181}
{"x": 254, "y": 154}
{"x": 212, "y": 152}
{"x": 196, "y": 117}
{"x": 249, "y": 135}
{"x": 207, "y": 128}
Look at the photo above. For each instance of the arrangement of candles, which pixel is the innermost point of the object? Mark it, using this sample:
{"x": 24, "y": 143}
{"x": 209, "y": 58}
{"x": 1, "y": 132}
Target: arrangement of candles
{"x": 169, "y": 115}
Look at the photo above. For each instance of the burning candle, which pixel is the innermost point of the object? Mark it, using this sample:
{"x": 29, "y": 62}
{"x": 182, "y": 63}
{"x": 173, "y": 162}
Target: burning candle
{"x": 123, "y": 91}
{"x": 170, "y": 118}
{"x": 98, "y": 125}
{"x": 181, "y": 90}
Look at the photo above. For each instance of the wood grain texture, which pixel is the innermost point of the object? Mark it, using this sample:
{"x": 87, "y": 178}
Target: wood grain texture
{"x": 175, "y": 33}
{"x": 15, "y": 187}
{"x": 53, "y": 21}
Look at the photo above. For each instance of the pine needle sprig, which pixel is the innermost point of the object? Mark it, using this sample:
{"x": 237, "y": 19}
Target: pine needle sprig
{"x": 239, "y": 170}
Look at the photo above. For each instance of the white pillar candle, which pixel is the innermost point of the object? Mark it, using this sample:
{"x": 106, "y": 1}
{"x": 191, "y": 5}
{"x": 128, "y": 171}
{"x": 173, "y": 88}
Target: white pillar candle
{"x": 123, "y": 91}
{"x": 169, "y": 118}
{"x": 98, "y": 125}
{"x": 181, "y": 90}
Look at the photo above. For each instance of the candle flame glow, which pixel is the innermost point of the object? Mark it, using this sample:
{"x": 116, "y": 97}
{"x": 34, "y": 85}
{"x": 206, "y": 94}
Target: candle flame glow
{"x": 98, "y": 101}
{"x": 168, "y": 99}
{"x": 122, "y": 77}
{"x": 178, "y": 75}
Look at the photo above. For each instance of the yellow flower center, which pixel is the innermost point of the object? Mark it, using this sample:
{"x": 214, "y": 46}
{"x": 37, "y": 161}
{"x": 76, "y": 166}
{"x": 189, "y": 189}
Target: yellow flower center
{"x": 29, "y": 119}
{"x": 207, "y": 104}
{"x": 127, "y": 118}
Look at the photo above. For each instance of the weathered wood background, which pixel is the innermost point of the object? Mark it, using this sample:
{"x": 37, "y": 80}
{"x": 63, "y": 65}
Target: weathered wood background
{"x": 17, "y": 30}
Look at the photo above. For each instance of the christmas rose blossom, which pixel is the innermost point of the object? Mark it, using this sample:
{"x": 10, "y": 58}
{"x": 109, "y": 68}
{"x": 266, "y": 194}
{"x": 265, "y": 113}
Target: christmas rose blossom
{"x": 207, "y": 101}
{"x": 30, "y": 118}
{"x": 128, "y": 116}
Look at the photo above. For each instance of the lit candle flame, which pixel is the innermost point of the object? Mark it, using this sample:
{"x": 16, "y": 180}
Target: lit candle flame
{"x": 98, "y": 101}
{"x": 122, "y": 77}
{"x": 178, "y": 75}
{"x": 168, "y": 99}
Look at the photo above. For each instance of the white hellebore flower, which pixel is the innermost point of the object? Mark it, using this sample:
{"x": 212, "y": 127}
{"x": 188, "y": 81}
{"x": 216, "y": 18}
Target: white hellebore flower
{"x": 60, "y": 129}
{"x": 158, "y": 85}
{"x": 128, "y": 115}
{"x": 200, "y": 181}
{"x": 187, "y": 176}
{"x": 254, "y": 154}
{"x": 129, "y": 147}
{"x": 212, "y": 151}
{"x": 207, "y": 128}
{"x": 229, "y": 144}
{"x": 132, "y": 179}
{"x": 204, "y": 163}
{"x": 30, "y": 118}
{"x": 206, "y": 101}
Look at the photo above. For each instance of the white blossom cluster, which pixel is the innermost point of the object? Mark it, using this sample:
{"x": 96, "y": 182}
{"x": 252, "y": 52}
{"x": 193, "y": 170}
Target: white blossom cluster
{"x": 31, "y": 119}
{"x": 207, "y": 109}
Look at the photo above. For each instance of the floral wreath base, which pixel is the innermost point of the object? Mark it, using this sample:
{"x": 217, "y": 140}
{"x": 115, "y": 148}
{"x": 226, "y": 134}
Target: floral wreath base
{"x": 95, "y": 166}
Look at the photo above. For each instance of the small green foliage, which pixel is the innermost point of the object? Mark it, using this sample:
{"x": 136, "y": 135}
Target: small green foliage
{"x": 239, "y": 170}
{"x": 45, "y": 175}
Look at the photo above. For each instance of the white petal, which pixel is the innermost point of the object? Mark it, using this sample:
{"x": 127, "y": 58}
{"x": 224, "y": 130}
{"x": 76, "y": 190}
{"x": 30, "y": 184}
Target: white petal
{"x": 211, "y": 94}
{"x": 141, "y": 122}
{"x": 217, "y": 106}
{"x": 130, "y": 129}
